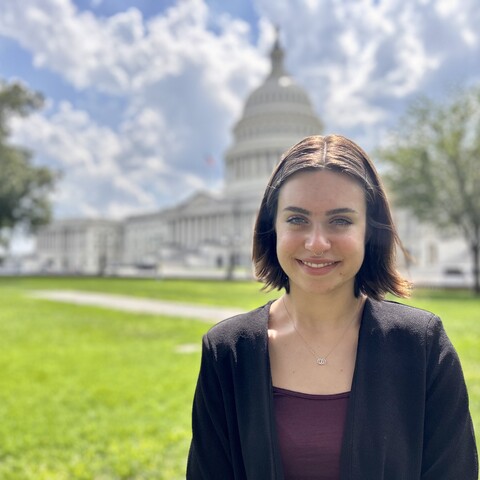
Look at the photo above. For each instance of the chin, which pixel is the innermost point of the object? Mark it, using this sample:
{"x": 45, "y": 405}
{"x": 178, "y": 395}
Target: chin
{"x": 323, "y": 287}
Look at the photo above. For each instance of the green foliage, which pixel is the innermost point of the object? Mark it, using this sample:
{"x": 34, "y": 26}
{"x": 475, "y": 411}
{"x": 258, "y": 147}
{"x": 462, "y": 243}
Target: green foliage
{"x": 434, "y": 159}
{"x": 24, "y": 188}
{"x": 88, "y": 393}
{"x": 434, "y": 165}
{"x": 15, "y": 99}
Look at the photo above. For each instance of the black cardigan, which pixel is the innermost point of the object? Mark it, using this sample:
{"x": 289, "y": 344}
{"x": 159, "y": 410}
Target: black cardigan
{"x": 407, "y": 417}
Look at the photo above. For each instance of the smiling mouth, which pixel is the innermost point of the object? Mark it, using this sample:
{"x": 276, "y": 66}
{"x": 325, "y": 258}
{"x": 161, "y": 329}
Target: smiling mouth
{"x": 317, "y": 265}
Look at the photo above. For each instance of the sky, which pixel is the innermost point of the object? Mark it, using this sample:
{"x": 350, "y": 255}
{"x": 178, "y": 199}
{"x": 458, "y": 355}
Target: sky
{"x": 141, "y": 96}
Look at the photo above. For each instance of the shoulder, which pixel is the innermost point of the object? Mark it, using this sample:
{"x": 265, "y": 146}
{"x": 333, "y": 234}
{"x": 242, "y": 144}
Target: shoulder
{"x": 395, "y": 328}
{"x": 399, "y": 322}
{"x": 387, "y": 314}
{"x": 246, "y": 328}
{"x": 398, "y": 310}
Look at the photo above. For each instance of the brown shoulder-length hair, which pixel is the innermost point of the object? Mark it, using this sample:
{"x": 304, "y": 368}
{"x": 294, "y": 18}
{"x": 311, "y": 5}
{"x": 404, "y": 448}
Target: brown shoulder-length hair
{"x": 377, "y": 275}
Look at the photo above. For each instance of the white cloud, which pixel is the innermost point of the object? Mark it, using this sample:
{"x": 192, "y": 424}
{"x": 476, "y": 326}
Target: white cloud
{"x": 86, "y": 154}
{"x": 105, "y": 172}
{"x": 182, "y": 86}
{"x": 362, "y": 60}
{"x": 181, "y": 78}
{"x": 125, "y": 52}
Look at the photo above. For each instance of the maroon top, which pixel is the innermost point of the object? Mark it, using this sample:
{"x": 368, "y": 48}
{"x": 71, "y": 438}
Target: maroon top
{"x": 310, "y": 431}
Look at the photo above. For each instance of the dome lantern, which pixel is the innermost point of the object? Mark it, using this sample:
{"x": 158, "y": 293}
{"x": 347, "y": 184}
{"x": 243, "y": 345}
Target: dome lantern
{"x": 276, "y": 56}
{"x": 277, "y": 114}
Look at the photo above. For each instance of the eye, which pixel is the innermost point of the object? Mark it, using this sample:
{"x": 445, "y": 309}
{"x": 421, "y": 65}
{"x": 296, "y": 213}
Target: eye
{"x": 341, "y": 221}
{"x": 296, "y": 220}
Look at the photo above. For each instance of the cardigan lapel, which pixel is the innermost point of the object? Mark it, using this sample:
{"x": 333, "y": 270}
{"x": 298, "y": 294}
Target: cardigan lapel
{"x": 256, "y": 418}
{"x": 385, "y": 416}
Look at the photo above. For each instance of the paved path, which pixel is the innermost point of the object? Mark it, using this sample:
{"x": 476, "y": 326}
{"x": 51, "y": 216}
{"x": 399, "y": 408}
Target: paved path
{"x": 139, "y": 305}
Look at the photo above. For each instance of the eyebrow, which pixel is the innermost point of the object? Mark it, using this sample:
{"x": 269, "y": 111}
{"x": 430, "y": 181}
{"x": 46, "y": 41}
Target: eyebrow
{"x": 335, "y": 211}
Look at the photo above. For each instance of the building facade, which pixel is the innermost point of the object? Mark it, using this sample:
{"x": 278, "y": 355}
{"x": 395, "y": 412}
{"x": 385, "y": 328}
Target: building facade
{"x": 213, "y": 232}
{"x": 438, "y": 258}
{"x": 79, "y": 246}
{"x": 207, "y": 231}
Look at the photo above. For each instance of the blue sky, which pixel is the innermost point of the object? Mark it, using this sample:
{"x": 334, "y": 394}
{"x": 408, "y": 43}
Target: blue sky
{"x": 140, "y": 93}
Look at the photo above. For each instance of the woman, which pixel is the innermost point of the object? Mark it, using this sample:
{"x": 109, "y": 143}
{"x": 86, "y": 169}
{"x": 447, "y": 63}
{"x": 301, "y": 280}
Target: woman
{"x": 330, "y": 381}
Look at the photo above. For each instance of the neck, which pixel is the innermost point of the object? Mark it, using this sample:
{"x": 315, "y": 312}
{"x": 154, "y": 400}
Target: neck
{"x": 322, "y": 312}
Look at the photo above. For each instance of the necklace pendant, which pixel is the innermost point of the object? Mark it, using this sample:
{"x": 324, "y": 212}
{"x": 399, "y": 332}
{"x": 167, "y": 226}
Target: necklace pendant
{"x": 321, "y": 361}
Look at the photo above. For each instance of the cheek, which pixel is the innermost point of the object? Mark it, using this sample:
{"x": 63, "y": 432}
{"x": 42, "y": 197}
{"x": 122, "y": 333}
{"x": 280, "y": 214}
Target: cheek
{"x": 287, "y": 244}
{"x": 355, "y": 241}
{"x": 352, "y": 244}
{"x": 282, "y": 244}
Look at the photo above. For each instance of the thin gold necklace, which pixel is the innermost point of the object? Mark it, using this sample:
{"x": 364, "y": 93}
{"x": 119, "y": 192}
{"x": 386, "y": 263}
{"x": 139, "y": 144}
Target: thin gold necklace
{"x": 319, "y": 359}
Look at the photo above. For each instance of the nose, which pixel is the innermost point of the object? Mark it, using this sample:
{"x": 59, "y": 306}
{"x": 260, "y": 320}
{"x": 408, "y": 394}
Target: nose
{"x": 317, "y": 241}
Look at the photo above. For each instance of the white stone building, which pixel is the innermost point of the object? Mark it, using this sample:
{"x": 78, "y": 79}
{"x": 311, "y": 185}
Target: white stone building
{"x": 439, "y": 258}
{"x": 213, "y": 232}
{"x": 78, "y": 246}
{"x": 207, "y": 231}
{"x": 210, "y": 231}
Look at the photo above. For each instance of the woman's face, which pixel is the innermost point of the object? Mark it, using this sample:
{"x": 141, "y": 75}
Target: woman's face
{"x": 321, "y": 228}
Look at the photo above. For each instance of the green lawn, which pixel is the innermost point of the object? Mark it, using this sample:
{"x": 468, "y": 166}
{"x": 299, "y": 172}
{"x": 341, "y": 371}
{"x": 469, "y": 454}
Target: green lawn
{"x": 88, "y": 393}
{"x": 244, "y": 294}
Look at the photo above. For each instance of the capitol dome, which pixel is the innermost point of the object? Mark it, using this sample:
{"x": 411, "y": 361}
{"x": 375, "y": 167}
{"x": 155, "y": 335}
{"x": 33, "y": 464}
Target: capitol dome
{"x": 276, "y": 115}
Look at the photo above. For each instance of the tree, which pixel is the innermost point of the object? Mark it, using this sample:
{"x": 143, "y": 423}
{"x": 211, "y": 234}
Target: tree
{"x": 434, "y": 165}
{"x": 24, "y": 188}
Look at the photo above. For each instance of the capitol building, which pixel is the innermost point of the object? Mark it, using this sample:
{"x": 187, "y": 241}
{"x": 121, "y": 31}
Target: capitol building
{"x": 211, "y": 234}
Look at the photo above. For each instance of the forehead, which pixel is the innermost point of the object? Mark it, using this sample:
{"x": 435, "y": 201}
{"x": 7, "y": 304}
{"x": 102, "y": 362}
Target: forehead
{"x": 321, "y": 189}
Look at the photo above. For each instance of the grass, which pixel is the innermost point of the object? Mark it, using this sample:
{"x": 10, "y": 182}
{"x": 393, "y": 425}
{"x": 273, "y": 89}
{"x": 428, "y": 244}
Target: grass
{"x": 88, "y": 393}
